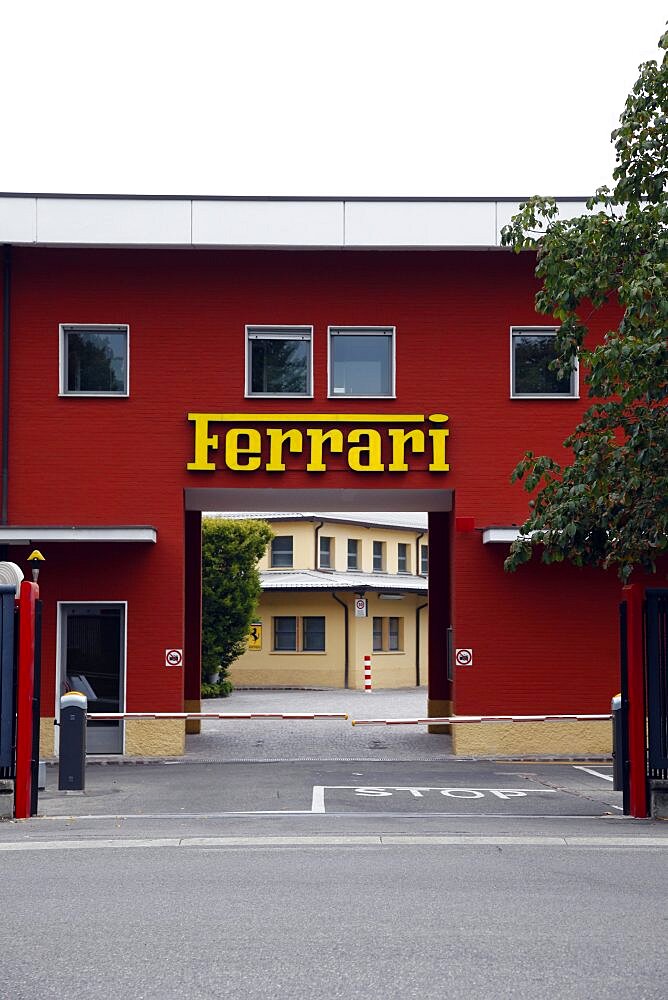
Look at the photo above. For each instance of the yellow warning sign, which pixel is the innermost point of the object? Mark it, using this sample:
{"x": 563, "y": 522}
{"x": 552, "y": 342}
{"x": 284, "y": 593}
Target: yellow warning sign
{"x": 255, "y": 636}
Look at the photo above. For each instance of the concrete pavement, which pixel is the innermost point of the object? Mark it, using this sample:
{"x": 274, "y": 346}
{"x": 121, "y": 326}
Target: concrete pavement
{"x": 274, "y": 740}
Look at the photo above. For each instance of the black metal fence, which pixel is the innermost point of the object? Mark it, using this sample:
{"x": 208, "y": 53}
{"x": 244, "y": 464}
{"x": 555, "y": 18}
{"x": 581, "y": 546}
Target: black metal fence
{"x": 8, "y": 625}
{"x": 656, "y": 625}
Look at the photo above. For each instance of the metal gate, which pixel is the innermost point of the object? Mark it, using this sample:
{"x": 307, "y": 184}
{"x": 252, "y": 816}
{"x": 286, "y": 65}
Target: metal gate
{"x": 7, "y": 680}
{"x": 656, "y": 632}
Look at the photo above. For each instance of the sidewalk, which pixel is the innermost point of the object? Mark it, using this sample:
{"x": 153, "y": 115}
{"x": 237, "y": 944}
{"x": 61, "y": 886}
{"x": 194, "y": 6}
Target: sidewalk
{"x": 276, "y": 740}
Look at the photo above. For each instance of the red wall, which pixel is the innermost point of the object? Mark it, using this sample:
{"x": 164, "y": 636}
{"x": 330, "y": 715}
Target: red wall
{"x": 544, "y": 639}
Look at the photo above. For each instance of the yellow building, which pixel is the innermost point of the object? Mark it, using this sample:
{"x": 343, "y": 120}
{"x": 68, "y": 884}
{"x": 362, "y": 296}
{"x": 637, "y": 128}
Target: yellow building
{"x": 337, "y": 588}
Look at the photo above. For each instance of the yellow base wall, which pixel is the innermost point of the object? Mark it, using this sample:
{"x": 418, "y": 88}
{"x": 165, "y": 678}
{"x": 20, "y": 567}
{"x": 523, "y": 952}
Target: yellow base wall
{"x": 519, "y": 738}
{"x": 437, "y": 709}
{"x": 46, "y": 738}
{"x": 193, "y": 726}
{"x": 154, "y": 737}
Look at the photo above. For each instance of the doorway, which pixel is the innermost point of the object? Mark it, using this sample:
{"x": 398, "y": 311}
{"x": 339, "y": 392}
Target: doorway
{"x": 92, "y": 660}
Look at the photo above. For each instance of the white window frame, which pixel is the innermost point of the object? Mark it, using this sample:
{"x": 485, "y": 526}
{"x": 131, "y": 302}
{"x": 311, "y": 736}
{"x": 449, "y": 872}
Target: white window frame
{"x": 62, "y": 359}
{"x": 383, "y": 556}
{"x": 358, "y": 546}
{"x": 407, "y": 571}
{"x": 575, "y": 375}
{"x": 279, "y": 566}
{"x": 282, "y": 332}
{"x": 330, "y": 552}
{"x": 349, "y": 331}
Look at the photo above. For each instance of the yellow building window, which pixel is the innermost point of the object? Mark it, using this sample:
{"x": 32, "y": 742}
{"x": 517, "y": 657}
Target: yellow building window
{"x": 298, "y": 634}
{"x": 388, "y": 635}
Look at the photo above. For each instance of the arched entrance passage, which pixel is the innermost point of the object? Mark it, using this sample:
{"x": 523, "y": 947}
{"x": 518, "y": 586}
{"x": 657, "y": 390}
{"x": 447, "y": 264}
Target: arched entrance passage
{"x": 438, "y": 504}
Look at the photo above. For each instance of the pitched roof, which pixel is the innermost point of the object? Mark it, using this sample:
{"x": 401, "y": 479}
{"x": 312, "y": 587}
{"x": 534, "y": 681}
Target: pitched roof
{"x": 411, "y": 520}
{"x": 312, "y": 579}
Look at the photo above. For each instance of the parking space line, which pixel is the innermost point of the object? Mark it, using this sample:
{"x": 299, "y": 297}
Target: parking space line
{"x": 590, "y": 770}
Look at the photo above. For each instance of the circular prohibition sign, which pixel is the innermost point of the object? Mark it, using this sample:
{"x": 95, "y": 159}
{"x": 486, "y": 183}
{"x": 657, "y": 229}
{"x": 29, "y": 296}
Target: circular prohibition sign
{"x": 464, "y": 657}
{"x": 173, "y": 657}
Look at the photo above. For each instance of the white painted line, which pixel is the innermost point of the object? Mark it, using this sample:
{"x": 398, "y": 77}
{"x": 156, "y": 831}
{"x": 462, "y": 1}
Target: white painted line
{"x": 590, "y": 770}
{"x": 318, "y": 800}
{"x": 315, "y": 841}
{"x": 83, "y": 845}
{"x": 70, "y": 818}
{"x": 380, "y": 840}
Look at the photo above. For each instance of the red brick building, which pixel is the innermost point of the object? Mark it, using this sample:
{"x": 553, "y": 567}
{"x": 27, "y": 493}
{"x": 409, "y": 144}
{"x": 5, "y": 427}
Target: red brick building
{"x": 164, "y": 357}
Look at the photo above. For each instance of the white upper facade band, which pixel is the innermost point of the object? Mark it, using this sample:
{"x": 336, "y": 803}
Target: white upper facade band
{"x": 327, "y": 223}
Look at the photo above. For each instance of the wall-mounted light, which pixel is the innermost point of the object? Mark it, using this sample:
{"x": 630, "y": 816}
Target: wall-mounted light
{"x": 390, "y": 597}
{"x": 35, "y": 558}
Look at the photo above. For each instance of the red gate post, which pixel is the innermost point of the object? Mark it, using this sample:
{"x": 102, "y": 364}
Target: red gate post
{"x": 28, "y": 596}
{"x": 637, "y": 711}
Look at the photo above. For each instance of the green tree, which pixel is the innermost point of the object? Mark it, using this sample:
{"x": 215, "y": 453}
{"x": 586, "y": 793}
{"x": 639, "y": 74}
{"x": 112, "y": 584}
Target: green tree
{"x": 230, "y": 592}
{"x": 609, "y": 505}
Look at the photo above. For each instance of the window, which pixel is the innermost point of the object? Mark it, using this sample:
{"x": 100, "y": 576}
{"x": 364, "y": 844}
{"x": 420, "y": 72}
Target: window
{"x": 532, "y": 351}
{"x": 281, "y": 551}
{"x": 393, "y": 634}
{"x": 377, "y": 635}
{"x": 94, "y": 360}
{"x": 361, "y": 361}
{"x": 288, "y": 629}
{"x": 378, "y": 557}
{"x": 424, "y": 560}
{"x": 313, "y": 630}
{"x": 388, "y": 635}
{"x": 353, "y": 553}
{"x": 278, "y": 361}
{"x": 325, "y": 551}
{"x": 285, "y": 633}
{"x": 403, "y": 559}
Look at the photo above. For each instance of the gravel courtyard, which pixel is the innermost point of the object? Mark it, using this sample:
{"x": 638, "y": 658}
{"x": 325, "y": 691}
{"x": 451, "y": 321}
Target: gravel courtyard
{"x": 270, "y": 740}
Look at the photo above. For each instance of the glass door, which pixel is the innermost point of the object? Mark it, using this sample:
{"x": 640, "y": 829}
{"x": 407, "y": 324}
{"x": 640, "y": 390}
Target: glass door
{"x": 93, "y": 662}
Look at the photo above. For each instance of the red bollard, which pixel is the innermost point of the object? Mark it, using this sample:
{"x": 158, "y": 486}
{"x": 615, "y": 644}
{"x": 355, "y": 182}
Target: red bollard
{"x": 28, "y": 596}
{"x": 367, "y": 673}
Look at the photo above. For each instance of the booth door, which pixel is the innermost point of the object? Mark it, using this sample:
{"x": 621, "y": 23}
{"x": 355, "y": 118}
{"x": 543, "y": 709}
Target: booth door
{"x": 93, "y": 662}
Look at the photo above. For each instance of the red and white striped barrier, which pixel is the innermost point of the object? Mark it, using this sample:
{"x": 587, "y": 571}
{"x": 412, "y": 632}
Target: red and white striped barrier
{"x": 458, "y": 719}
{"x": 231, "y": 716}
{"x": 367, "y": 673}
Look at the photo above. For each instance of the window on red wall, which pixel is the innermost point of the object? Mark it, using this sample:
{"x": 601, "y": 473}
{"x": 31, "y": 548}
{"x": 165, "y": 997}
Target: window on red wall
{"x": 94, "y": 360}
{"x": 531, "y": 374}
{"x": 279, "y": 361}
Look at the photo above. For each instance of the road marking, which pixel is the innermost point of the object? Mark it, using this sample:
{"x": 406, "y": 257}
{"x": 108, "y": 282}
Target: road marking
{"x": 418, "y": 792}
{"x": 590, "y": 770}
{"x": 383, "y": 840}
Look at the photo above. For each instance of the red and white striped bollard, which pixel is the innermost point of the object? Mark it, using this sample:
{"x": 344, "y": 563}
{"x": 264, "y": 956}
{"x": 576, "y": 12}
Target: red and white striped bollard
{"x": 367, "y": 673}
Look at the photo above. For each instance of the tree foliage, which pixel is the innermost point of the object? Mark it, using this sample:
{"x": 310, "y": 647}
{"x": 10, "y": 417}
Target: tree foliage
{"x": 608, "y": 506}
{"x": 230, "y": 591}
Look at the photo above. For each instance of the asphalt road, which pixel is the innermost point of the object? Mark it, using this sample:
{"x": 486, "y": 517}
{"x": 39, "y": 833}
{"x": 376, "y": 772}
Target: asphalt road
{"x": 321, "y": 921}
{"x": 406, "y": 876}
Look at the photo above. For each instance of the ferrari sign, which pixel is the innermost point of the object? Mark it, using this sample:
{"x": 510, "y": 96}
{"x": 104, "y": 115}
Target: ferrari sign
{"x": 255, "y": 636}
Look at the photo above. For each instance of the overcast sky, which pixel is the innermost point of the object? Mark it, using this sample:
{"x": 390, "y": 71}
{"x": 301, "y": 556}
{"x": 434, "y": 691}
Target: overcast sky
{"x": 327, "y": 97}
